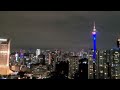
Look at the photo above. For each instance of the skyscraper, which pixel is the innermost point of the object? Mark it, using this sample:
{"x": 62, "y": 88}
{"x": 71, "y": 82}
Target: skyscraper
{"x": 90, "y": 64}
{"x": 107, "y": 67}
{"x": 16, "y": 56}
{"x": 37, "y": 53}
{"x": 49, "y": 58}
{"x": 4, "y": 56}
{"x": 83, "y": 68}
{"x": 100, "y": 64}
{"x": 103, "y": 64}
{"x": 118, "y": 43}
{"x": 41, "y": 58}
{"x": 73, "y": 65}
{"x": 115, "y": 64}
{"x": 62, "y": 68}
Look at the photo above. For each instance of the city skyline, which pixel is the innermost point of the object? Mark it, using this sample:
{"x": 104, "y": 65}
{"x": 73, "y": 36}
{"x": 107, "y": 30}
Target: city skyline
{"x": 60, "y": 29}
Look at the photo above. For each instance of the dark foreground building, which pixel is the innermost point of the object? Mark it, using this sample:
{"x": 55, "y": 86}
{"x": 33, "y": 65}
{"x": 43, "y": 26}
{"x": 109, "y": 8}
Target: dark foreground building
{"x": 82, "y": 72}
{"x": 61, "y": 70}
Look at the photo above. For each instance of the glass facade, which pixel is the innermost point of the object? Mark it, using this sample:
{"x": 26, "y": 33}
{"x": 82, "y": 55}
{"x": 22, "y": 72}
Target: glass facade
{"x": 115, "y": 64}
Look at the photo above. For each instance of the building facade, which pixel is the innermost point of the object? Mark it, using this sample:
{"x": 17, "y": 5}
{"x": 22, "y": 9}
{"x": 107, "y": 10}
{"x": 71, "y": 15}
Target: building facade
{"x": 73, "y": 65}
{"x": 4, "y": 56}
{"x": 90, "y": 64}
{"x": 115, "y": 64}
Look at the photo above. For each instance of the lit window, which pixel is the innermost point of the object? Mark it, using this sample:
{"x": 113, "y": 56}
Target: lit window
{"x": 91, "y": 69}
{"x": 101, "y": 71}
{"x": 84, "y": 62}
{"x": 116, "y": 75}
{"x": 101, "y": 56}
{"x": 105, "y": 73}
{"x": 101, "y": 65}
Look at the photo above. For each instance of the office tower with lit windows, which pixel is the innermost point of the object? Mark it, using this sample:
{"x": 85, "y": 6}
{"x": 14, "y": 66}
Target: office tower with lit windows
{"x": 4, "y": 56}
{"x": 49, "y": 58}
{"x": 107, "y": 67}
{"x": 115, "y": 64}
{"x": 103, "y": 64}
{"x": 53, "y": 60}
{"x": 90, "y": 64}
{"x": 73, "y": 65}
{"x": 107, "y": 64}
{"x": 37, "y": 53}
{"x": 100, "y": 64}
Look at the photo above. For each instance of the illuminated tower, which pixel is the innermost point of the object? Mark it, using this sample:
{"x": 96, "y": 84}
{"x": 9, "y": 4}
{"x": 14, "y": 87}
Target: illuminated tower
{"x": 38, "y": 53}
{"x": 16, "y": 57}
{"x": 95, "y": 68}
{"x": 4, "y": 57}
{"x": 94, "y": 42}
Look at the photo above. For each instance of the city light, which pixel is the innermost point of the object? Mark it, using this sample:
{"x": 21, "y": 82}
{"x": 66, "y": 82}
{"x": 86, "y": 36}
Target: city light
{"x": 3, "y": 40}
{"x": 3, "y": 51}
{"x": 92, "y": 63}
{"x": 93, "y": 33}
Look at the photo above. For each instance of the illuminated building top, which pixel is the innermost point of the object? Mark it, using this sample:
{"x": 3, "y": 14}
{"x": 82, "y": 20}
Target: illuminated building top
{"x": 4, "y": 56}
{"x": 119, "y": 40}
{"x": 3, "y": 40}
{"x": 94, "y": 30}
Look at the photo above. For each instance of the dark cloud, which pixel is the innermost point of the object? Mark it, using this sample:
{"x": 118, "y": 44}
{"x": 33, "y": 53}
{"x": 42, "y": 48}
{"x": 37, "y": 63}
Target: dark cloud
{"x": 65, "y": 29}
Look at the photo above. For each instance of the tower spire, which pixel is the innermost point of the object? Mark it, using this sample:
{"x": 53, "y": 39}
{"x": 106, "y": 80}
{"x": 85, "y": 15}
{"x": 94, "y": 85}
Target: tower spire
{"x": 94, "y": 29}
{"x": 94, "y": 41}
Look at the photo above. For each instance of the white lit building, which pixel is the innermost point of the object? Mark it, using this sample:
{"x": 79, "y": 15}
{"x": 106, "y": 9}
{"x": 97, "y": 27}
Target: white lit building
{"x": 38, "y": 53}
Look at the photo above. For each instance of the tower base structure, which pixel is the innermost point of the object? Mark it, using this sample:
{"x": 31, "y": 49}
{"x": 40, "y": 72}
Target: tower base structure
{"x": 5, "y": 70}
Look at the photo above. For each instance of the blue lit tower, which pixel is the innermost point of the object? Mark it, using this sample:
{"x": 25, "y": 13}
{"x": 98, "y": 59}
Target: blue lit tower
{"x": 94, "y": 42}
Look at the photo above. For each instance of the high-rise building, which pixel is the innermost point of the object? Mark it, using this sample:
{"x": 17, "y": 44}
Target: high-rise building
{"x": 41, "y": 58}
{"x": 83, "y": 68}
{"x": 103, "y": 64}
{"x": 53, "y": 61}
{"x": 37, "y": 53}
{"x": 49, "y": 58}
{"x": 73, "y": 65}
{"x": 107, "y": 64}
{"x": 115, "y": 64}
{"x": 21, "y": 54}
{"x": 90, "y": 64}
{"x": 100, "y": 64}
{"x": 118, "y": 43}
{"x": 4, "y": 56}
{"x": 62, "y": 67}
{"x": 16, "y": 56}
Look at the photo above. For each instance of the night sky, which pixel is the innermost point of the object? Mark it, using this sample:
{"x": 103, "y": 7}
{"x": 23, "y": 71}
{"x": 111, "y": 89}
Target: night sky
{"x": 59, "y": 29}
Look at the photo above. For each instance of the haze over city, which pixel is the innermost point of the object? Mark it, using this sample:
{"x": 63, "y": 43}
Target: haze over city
{"x": 59, "y": 29}
{"x": 59, "y": 45}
